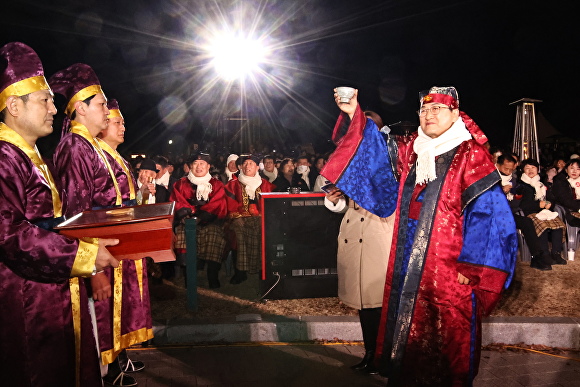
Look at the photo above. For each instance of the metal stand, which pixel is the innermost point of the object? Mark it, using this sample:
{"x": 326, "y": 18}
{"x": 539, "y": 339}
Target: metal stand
{"x": 191, "y": 263}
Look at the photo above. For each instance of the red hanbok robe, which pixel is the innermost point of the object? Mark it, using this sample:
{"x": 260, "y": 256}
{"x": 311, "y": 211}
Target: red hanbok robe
{"x": 38, "y": 312}
{"x": 430, "y": 329}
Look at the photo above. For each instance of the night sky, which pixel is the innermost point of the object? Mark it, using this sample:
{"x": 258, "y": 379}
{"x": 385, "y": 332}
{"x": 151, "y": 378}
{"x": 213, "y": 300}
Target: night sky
{"x": 150, "y": 56}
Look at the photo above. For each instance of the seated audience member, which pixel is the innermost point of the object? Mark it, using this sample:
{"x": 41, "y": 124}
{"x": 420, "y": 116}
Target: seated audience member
{"x": 244, "y": 217}
{"x": 164, "y": 177}
{"x": 532, "y": 195}
{"x": 270, "y": 172}
{"x": 506, "y": 164}
{"x": 287, "y": 178}
{"x": 566, "y": 191}
{"x": 303, "y": 168}
{"x": 556, "y": 168}
{"x": 148, "y": 191}
{"x": 231, "y": 170}
{"x": 319, "y": 163}
{"x": 201, "y": 196}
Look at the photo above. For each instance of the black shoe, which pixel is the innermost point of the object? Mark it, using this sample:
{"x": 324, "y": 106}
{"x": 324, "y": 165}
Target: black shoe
{"x": 125, "y": 364}
{"x": 239, "y": 277}
{"x": 539, "y": 264}
{"x": 121, "y": 379}
{"x": 365, "y": 362}
{"x": 557, "y": 259}
{"x": 133, "y": 366}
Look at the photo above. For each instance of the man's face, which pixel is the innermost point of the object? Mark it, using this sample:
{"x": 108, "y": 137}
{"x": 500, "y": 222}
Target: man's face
{"x": 161, "y": 171}
{"x": 304, "y": 162}
{"x": 232, "y": 167}
{"x": 434, "y": 125}
{"x": 200, "y": 168}
{"x": 115, "y": 131}
{"x": 96, "y": 113}
{"x": 146, "y": 176}
{"x": 507, "y": 168}
{"x": 288, "y": 169}
{"x": 250, "y": 168}
{"x": 37, "y": 114}
{"x": 269, "y": 165}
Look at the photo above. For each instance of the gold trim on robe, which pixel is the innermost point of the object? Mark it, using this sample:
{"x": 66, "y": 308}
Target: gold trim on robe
{"x": 119, "y": 159}
{"x": 82, "y": 131}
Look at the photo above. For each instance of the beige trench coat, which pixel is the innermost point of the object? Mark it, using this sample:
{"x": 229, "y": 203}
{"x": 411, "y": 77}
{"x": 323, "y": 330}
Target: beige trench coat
{"x": 364, "y": 244}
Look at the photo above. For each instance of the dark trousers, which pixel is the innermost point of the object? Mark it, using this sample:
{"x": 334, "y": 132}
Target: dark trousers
{"x": 526, "y": 225}
{"x": 370, "y": 319}
{"x": 555, "y": 237}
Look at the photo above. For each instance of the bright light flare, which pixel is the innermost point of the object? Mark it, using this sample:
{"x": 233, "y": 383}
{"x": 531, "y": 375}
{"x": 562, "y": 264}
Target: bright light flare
{"x": 235, "y": 57}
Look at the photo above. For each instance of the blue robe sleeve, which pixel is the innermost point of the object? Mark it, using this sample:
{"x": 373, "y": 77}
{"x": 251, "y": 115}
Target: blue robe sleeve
{"x": 490, "y": 242}
{"x": 368, "y": 178}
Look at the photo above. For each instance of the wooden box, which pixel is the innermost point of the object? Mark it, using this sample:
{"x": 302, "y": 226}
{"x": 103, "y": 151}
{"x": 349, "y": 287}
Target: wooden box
{"x": 143, "y": 231}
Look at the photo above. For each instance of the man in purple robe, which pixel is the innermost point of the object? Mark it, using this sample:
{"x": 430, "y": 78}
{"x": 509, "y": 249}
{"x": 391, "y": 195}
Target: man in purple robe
{"x": 46, "y": 336}
{"x": 89, "y": 178}
{"x": 136, "y": 324}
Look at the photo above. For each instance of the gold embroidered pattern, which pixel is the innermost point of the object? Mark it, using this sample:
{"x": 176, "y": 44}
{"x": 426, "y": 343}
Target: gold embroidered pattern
{"x": 85, "y": 259}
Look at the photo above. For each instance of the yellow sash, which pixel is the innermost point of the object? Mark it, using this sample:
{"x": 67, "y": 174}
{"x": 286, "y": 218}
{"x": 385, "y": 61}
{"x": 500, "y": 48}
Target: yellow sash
{"x": 82, "y": 131}
{"x": 113, "y": 152}
{"x": 9, "y": 135}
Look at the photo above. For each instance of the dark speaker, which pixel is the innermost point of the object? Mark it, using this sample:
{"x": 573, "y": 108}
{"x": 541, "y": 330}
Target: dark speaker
{"x": 299, "y": 245}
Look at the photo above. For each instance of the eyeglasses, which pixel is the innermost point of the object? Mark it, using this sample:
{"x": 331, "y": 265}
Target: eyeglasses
{"x": 435, "y": 110}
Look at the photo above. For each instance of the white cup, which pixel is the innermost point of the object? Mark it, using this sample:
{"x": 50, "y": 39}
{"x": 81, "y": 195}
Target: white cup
{"x": 345, "y": 93}
{"x": 571, "y": 254}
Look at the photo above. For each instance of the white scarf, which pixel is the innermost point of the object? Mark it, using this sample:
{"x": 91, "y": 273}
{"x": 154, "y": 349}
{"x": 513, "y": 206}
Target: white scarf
{"x": 537, "y": 184}
{"x": 204, "y": 187}
{"x": 229, "y": 174}
{"x": 506, "y": 180}
{"x": 428, "y": 148}
{"x": 251, "y": 182}
{"x": 575, "y": 183}
{"x": 271, "y": 175}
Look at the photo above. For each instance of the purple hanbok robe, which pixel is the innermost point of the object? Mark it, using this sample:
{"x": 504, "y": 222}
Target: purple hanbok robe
{"x": 38, "y": 313}
{"x": 134, "y": 308}
{"x": 84, "y": 174}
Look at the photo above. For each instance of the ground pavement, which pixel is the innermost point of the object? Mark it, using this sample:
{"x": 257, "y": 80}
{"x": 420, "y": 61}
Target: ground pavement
{"x": 279, "y": 364}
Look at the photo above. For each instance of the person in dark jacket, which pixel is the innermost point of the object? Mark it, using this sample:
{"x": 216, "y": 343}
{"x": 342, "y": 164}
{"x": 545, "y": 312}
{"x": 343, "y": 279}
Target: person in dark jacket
{"x": 566, "y": 191}
{"x": 287, "y": 178}
{"x": 532, "y": 193}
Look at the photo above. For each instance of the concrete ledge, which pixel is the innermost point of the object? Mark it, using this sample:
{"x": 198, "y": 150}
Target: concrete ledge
{"x": 550, "y": 331}
{"x": 561, "y": 332}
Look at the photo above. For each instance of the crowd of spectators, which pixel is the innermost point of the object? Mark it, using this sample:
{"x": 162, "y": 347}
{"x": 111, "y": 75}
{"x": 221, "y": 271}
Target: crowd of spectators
{"x": 222, "y": 194}
{"x": 536, "y": 218}
{"x": 538, "y": 197}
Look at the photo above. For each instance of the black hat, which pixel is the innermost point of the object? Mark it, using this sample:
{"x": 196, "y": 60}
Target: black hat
{"x": 149, "y": 165}
{"x": 254, "y": 158}
{"x": 199, "y": 156}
